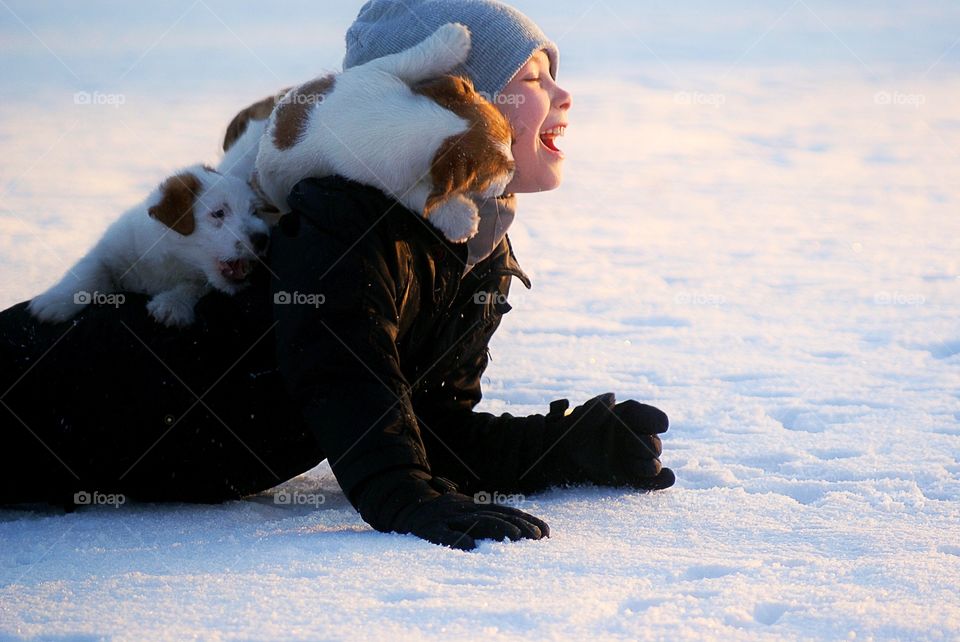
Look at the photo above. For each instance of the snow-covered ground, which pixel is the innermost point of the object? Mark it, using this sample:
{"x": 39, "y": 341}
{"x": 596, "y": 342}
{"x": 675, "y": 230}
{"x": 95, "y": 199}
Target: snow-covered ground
{"x": 758, "y": 233}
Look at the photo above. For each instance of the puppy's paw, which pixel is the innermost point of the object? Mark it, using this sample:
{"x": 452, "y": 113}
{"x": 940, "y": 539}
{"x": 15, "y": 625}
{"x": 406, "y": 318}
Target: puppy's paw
{"x": 457, "y": 218}
{"x": 171, "y": 310}
{"x": 55, "y": 306}
{"x": 498, "y": 186}
{"x": 455, "y": 38}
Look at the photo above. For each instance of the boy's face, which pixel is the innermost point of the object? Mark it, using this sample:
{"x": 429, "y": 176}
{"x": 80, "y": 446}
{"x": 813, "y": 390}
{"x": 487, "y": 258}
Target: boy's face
{"x": 534, "y": 104}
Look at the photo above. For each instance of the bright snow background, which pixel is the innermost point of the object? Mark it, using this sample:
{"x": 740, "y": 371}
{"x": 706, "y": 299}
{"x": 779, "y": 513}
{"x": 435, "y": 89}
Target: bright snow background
{"x": 758, "y": 233}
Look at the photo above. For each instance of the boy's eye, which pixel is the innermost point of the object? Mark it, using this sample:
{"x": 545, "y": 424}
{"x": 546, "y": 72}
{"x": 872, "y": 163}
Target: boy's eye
{"x": 533, "y": 79}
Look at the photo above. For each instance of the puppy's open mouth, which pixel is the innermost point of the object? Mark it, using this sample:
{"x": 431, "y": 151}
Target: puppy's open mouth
{"x": 235, "y": 270}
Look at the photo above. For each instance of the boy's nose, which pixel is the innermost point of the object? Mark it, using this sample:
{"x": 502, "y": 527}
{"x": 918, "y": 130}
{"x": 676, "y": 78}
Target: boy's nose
{"x": 563, "y": 98}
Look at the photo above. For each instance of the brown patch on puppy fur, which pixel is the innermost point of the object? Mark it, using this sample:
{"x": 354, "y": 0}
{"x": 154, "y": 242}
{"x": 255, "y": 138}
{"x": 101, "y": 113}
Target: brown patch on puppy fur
{"x": 175, "y": 209}
{"x": 467, "y": 162}
{"x": 259, "y": 110}
{"x": 292, "y": 112}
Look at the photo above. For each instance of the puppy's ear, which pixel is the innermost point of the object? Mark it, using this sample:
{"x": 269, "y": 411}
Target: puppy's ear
{"x": 175, "y": 209}
{"x": 259, "y": 110}
{"x": 469, "y": 161}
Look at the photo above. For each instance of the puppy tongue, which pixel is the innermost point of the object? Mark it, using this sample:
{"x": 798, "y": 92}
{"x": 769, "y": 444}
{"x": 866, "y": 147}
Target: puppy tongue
{"x": 241, "y": 267}
{"x": 236, "y": 269}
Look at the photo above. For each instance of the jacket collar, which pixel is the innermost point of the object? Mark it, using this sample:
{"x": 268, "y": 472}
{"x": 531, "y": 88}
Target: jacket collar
{"x": 501, "y": 260}
{"x": 496, "y": 216}
{"x": 489, "y": 251}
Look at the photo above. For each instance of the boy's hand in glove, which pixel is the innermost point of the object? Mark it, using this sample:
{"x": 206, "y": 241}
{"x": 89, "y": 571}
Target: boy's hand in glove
{"x": 409, "y": 500}
{"x": 607, "y": 443}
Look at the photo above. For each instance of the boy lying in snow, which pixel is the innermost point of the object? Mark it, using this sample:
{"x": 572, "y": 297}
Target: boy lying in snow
{"x": 380, "y": 375}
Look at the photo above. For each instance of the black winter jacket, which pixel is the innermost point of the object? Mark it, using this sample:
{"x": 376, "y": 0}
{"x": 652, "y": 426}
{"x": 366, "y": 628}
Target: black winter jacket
{"x": 388, "y": 367}
{"x": 360, "y": 340}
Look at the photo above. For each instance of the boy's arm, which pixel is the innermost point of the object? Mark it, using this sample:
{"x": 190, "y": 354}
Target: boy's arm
{"x": 336, "y": 332}
{"x": 600, "y": 441}
{"x": 333, "y": 300}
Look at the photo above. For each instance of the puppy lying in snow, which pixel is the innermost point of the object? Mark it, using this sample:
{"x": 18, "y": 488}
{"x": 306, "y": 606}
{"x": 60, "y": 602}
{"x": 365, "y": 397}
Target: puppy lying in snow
{"x": 396, "y": 123}
{"x": 196, "y": 231}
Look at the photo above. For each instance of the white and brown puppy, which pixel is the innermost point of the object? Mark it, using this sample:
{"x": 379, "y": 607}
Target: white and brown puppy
{"x": 399, "y": 124}
{"x": 196, "y": 231}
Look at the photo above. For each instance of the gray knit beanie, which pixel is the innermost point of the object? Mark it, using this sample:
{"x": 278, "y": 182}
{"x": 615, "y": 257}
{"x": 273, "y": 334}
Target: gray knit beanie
{"x": 502, "y": 38}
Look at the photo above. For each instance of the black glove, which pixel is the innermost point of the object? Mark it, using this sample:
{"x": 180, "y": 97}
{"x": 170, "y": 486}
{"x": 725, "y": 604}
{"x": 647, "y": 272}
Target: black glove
{"x": 607, "y": 443}
{"x": 409, "y": 500}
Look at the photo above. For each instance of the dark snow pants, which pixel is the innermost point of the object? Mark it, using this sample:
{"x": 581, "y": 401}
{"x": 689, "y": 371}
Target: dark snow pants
{"x": 113, "y": 402}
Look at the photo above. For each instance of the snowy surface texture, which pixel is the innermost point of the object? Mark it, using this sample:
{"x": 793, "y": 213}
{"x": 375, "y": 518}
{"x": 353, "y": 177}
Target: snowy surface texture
{"x": 758, "y": 233}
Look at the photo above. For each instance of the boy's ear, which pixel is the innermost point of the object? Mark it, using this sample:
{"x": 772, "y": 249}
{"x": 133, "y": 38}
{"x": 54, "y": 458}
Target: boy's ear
{"x": 175, "y": 209}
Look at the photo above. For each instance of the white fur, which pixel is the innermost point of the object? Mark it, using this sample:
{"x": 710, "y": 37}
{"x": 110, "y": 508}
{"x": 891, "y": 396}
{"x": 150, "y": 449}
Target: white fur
{"x": 140, "y": 254}
{"x": 373, "y": 129}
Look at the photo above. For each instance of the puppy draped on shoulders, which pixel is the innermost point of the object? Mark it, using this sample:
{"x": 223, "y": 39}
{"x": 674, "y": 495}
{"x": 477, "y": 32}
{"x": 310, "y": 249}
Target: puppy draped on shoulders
{"x": 398, "y": 123}
{"x": 196, "y": 231}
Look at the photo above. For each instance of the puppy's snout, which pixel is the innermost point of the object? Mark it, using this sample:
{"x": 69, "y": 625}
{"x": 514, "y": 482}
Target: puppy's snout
{"x": 259, "y": 242}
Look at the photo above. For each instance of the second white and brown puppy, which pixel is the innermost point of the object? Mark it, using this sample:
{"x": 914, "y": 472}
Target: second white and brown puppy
{"x": 196, "y": 231}
{"x": 397, "y": 123}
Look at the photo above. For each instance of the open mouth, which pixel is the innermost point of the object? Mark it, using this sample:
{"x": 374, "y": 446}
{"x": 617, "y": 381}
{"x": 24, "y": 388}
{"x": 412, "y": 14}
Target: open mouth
{"x": 549, "y": 138}
{"x": 235, "y": 270}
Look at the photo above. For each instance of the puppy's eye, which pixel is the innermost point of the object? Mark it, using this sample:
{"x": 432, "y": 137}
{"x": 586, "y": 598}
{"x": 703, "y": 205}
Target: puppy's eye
{"x": 218, "y": 214}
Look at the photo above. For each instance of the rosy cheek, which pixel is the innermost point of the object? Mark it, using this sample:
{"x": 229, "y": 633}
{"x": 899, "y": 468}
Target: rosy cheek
{"x": 517, "y": 124}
